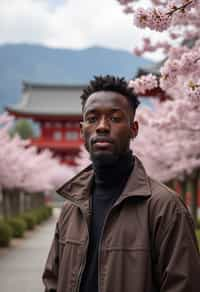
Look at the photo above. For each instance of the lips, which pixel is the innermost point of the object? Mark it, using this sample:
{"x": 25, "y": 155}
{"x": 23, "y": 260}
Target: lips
{"x": 102, "y": 142}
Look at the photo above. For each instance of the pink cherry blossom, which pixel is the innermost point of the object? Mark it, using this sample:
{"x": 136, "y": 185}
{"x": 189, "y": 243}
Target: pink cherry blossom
{"x": 125, "y": 2}
{"x": 22, "y": 167}
{"x": 149, "y": 47}
{"x": 193, "y": 92}
{"x": 155, "y": 19}
{"x": 144, "y": 84}
{"x": 128, "y": 10}
{"x": 169, "y": 136}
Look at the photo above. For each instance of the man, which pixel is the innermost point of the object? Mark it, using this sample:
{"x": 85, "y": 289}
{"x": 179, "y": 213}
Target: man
{"x": 119, "y": 230}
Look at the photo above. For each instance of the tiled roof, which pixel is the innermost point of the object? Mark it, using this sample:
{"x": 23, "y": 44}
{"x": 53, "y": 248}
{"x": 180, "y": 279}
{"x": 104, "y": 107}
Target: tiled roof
{"x": 49, "y": 99}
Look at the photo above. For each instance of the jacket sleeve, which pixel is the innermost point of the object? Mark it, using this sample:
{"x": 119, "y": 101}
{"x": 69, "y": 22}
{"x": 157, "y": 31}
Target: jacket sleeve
{"x": 177, "y": 253}
{"x": 50, "y": 274}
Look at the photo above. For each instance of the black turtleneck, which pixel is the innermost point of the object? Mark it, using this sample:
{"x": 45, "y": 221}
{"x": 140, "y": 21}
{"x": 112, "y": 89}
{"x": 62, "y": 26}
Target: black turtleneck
{"x": 108, "y": 184}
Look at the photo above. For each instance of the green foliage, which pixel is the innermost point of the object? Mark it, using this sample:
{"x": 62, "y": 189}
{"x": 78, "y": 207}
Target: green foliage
{"x": 18, "y": 226}
{"x": 198, "y": 223}
{"x": 30, "y": 220}
{"x": 23, "y": 128}
{"x": 41, "y": 214}
{"x": 49, "y": 211}
{"x": 198, "y": 236}
{"x": 5, "y": 234}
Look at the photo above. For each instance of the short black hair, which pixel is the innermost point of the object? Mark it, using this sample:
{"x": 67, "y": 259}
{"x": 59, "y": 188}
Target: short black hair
{"x": 110, "y": 83}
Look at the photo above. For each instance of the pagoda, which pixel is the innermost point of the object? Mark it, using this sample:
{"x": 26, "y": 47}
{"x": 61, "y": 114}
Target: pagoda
{"x": 56, "y": 109}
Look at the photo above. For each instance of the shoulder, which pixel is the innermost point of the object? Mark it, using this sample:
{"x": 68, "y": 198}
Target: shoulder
{"x": 163, "y": 198}
{"x": 64, "y": 213}
{"x": 166, "y": 208}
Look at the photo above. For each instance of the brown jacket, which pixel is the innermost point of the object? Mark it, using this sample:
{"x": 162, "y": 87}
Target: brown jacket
{"x": 147, "y": 244}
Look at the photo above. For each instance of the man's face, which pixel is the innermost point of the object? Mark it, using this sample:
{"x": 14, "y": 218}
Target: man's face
{"x": 108, "y": 125}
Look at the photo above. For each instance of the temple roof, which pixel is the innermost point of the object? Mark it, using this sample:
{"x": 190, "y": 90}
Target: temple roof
{"x": 48, "y": 99}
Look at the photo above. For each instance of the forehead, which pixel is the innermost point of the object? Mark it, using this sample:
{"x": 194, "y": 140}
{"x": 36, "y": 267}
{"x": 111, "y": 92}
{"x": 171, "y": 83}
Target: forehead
{"x": 103, "y": 100}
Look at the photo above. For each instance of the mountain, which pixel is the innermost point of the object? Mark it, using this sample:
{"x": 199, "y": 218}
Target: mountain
{"x": 41, "y": 64}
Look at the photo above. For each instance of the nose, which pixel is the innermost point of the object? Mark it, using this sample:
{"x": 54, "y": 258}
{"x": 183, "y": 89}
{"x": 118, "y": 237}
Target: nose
{"x": 103, "y": 126}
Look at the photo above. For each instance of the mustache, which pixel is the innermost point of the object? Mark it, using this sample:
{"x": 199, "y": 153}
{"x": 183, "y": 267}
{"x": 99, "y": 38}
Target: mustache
{"x": 102, "y": 139}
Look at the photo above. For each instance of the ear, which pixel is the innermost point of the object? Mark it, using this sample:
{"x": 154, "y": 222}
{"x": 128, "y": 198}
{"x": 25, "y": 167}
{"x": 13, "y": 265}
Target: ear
{"x": 81, "y": 129}
{"x": 134, "y": 129}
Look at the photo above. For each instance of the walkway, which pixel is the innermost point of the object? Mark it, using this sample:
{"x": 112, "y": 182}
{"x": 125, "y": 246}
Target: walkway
{"x": 22, "y": 264}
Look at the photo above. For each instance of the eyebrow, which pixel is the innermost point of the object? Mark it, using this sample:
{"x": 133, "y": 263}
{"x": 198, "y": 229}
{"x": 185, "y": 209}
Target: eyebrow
{"x": 93, "y": 111}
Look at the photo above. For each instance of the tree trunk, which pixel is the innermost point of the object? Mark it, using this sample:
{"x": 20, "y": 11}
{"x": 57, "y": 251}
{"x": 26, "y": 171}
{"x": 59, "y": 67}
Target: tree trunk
{"x": 170, "y": 184}
{"x": 15, "y": 197}
{"x": 194, "y": 196}
{"x": 6, "y": 203}
{"x": 27, "y": 201}
{"x": 183, "y": 185}
{"x": 1, "y": 204}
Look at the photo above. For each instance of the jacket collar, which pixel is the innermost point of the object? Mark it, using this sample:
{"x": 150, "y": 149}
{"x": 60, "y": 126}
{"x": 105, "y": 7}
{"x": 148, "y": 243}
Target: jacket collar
{"x": 78, "y": 188}
{"x": 138, "y": 183}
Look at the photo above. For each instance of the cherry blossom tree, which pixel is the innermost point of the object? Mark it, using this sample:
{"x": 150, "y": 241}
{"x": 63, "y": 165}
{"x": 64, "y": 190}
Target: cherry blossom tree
{"x": 181, "y": 19}
{"x": 170, "y": 150}
{"x": 22, "y": 168}
{"x": 83, "y": 159}
{"x": 170, "y": 134}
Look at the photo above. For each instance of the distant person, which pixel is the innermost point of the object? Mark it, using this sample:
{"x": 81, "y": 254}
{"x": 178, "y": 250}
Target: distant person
{"x": 119, "y": 230}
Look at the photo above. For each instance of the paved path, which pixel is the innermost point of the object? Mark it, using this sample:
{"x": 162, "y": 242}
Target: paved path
{"x": 22, "y": 264}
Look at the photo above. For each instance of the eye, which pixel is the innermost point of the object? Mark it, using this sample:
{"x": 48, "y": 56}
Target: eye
{"x": 116, "y": 119}
{"x": 91, "y": 119}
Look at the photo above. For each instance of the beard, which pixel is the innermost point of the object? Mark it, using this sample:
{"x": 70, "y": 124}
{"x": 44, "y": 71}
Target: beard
{"x": 104, "y": 158}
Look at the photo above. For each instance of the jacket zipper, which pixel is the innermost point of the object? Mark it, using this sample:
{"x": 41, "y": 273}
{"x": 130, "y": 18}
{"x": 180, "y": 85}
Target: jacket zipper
{"x": 118, "y": 202}
{"x": 99, "y": 250}
{"x": 82, "y": 267}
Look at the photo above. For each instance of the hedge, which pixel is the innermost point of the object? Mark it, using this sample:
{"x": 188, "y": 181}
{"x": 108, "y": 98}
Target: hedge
{"x": 41, "y": 214}
{"x": 29, "y": 219}
{"x": 5, "y": 233}
{"x": 16, "y": 226}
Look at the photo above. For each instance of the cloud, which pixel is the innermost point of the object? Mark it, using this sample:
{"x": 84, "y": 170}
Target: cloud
{"x": 68, "y": 23}
{"x": 24, "y": 21}
{"x": 53, "y": 4}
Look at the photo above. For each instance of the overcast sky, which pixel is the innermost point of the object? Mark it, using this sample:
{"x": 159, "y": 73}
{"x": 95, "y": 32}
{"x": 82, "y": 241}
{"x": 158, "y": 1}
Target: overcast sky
{"x": 68, "y": 24}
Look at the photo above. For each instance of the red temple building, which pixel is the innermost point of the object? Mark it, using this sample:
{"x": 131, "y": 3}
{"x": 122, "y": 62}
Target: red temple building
{"x": 57, "y": 111}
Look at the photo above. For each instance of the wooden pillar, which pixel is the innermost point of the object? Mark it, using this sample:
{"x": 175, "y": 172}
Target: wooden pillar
{"x": 6, "y": 203}
{"x": 27, "y": 201}
{"x": 1, "y": 203}
{"x": 21, "y": 202}
{"x": 194, "y": 195}
{"x": 184, "y": 184}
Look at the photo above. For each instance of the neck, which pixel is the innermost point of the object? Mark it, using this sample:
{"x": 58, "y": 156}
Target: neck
{"x": 116, "y": 172}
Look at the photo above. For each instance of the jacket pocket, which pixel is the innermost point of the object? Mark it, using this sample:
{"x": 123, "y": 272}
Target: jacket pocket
{"x": 126, "y": 269}
{"x": 70, "y": 258}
